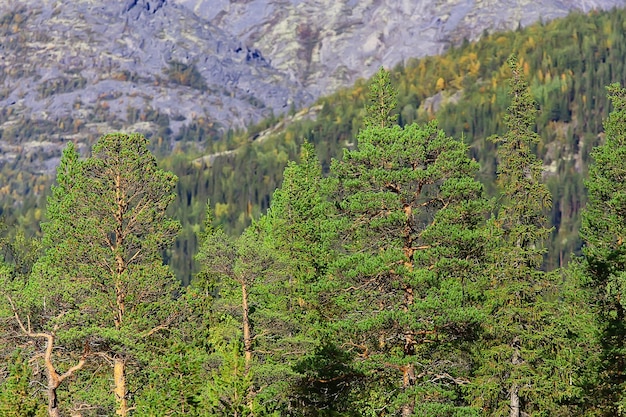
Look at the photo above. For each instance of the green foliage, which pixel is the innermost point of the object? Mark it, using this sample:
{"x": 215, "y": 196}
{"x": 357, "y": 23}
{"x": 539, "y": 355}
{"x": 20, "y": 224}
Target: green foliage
{"x": 522, "y": 357}
{"x": 102, "y": 268}
{"x": 17, "y": 398}
{"x": 410, "y": 215}
{"x": 380, "y": 290}
{"x": 383, "y": 99}
{"x": 226, "y": 390}
{"x": 603, "y": 231}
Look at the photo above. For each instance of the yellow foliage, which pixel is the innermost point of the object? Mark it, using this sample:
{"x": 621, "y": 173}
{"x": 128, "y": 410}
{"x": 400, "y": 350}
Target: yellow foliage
{"x": 474, "y": 67}
{"x": 441, "y": 84}
{"x": 502, "y": 40}
{"x": 289, "y": 137}
{"x": 548, "y": 77}
{"x": 564, "y": 83}
{"x": 221, "y": 210}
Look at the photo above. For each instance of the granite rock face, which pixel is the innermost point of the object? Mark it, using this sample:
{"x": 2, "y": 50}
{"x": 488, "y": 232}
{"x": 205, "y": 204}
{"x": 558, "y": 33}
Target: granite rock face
{"x": 123, "y": 52}
{"x": 328, "y": 44}
{"x": 94, "y": 63}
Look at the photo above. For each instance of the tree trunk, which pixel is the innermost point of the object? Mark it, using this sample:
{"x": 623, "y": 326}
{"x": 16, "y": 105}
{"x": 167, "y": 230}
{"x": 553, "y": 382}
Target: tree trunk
{"x": 514, "y": 402}
{"x": 408, "y": 379}
{"x": 247, "y": 340}
{"x": 120, "y": 387}
{"x": 247, "y": 331}
{"x": 54, "y": 379}
{"x": 53, "y": 405}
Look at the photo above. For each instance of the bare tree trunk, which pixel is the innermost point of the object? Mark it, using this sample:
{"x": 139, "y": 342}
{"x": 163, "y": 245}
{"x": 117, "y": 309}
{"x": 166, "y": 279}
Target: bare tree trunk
{"x": 54, "y": 379}
{"x": 514, "y": 401}
{"x": 247, "y": 338}
{"x": 247, "y": 331}
{"x": 53, "y": 405}
{"x": 408, "y": 378}
{"x": 120, "y": 387}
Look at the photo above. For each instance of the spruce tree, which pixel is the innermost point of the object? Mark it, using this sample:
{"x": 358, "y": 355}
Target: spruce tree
{"x": 603, "y": 231}
{"x": 523, "y": 363}
{"x": 299, "y": 229}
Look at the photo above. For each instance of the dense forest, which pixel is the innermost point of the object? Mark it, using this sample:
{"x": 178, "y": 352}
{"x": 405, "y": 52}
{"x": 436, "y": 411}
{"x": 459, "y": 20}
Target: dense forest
{"x": 567, "y": 62}
{"x": 389, "y": 283}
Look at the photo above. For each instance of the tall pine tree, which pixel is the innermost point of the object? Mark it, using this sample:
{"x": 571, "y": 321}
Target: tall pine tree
{"x": 405, "y": 295}
{"x": 106, "y": 231}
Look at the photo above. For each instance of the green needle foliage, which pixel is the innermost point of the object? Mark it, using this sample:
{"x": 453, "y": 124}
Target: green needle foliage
{"x": 16, "y": 399}
{"x": 102, "y": 263}
{"x": 603, "y": 231}
{"x": 523, "y": 366}
{"x": 300, "y": 230}
{"x": 411, "y": 215}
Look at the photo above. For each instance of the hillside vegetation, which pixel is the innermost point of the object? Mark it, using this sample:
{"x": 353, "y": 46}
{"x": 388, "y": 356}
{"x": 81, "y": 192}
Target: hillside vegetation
{"x": 568, "y": 63}
{"x": 392, "y": 286}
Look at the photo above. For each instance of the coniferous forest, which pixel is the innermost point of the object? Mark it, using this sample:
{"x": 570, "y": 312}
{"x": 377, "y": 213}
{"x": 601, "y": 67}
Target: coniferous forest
{"x": 462, "y": 257}
{"x": 394, "y": 285}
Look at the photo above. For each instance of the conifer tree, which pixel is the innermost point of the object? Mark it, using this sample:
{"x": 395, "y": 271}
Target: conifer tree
{"x": 16, "y": 398}
{"x": 523, "y": 367}
{"x": 603, "y": 232}
{"x": 35, "y": 314}
{"x": 106, "y": 231}
{"x": 300, "y": 230}
{"x": 410, "y": 214}
{"x": 237, "y": 266}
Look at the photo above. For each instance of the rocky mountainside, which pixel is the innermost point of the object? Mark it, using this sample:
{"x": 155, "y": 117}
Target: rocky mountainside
{"x": 73, "y": 70}
{"x": 328, "y": 44}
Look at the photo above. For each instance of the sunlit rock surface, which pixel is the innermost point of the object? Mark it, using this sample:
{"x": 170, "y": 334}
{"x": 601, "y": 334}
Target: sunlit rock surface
{"x": 229, "y": 61}
{"x": 327, "y": 44}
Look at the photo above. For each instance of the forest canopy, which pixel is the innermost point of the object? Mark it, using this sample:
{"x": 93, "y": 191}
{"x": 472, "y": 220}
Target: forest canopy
{"x": 390, "y": 285}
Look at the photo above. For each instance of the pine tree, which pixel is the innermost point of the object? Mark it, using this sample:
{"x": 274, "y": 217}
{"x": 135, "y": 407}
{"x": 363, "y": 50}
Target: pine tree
{"x": 35, "y": 313}
{"x": 404, "y": 292}
{"x": 106, "y": 231}
{"x": 238, "y": 267}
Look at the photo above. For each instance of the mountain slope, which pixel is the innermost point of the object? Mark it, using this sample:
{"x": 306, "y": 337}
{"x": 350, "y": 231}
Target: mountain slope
{"x": 329, "y": 44}
{"x": 568, "y": 62}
